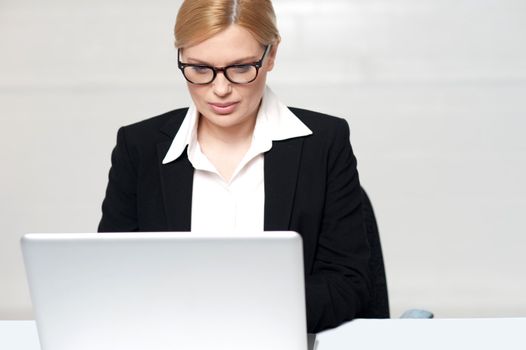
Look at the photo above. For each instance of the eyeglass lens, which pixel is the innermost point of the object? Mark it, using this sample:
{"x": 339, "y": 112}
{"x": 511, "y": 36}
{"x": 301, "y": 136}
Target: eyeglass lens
{"x": 240, "y": 74}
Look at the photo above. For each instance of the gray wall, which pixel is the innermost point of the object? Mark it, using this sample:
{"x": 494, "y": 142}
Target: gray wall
{"x": 434, "y": 92}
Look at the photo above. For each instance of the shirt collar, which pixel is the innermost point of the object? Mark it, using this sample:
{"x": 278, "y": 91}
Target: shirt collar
{"x": 275, "y": 122}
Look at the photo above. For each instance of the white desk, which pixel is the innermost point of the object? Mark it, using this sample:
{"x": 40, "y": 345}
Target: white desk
{"x": 18, "y": 335}
{"x": 427, "y": 334}
{"x": 407, "y": 334}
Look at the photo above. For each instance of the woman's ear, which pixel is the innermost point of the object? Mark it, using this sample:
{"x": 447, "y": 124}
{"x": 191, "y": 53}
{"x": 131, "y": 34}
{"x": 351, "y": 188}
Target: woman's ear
{"x": 271, "y": 56}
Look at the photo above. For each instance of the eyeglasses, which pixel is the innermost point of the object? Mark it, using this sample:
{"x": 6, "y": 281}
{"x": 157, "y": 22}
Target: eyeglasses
{"x": 201, "y": 74}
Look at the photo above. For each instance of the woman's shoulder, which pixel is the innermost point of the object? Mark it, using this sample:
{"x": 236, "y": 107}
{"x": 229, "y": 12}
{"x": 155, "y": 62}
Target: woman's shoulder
{"x": 151, "y": 131}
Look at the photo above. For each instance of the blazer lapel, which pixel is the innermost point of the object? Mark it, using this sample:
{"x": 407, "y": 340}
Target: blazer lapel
{"x": 281, "y": 174}
{"x": 176, "y": 181}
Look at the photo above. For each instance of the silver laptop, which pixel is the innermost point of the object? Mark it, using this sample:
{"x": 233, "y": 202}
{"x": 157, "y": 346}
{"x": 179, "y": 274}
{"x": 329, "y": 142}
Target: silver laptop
{"x": 167, "y": 291}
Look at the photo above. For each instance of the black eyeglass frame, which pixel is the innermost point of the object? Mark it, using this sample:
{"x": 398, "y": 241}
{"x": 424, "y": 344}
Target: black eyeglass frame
{"x": 223, "y": 70}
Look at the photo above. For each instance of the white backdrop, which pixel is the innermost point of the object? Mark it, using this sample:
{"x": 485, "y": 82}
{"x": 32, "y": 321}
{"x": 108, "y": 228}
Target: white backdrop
{"x": 434, "y": 91}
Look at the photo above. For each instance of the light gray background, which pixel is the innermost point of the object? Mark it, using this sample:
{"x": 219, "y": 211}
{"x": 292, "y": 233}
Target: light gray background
{"x": 433, "y": 90}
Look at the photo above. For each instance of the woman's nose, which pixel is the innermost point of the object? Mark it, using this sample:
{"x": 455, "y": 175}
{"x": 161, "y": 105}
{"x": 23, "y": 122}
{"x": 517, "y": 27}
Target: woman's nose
{"x": 222, "y": 86}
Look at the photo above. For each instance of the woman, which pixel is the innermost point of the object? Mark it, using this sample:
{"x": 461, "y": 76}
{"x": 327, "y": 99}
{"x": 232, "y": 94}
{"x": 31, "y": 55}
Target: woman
{"x": 239, "y": 160}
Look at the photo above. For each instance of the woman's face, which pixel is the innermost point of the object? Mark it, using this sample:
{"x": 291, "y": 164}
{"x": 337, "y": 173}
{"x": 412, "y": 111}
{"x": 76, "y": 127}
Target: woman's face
{"x": 221, "y": 103}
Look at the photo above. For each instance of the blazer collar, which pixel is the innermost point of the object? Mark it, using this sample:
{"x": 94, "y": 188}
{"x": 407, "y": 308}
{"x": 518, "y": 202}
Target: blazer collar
{"x": 172, "y": 126}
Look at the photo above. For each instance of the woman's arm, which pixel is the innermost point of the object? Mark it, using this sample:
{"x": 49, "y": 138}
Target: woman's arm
{"x": 337, "y": 287}
{"x": 119, "y": 208}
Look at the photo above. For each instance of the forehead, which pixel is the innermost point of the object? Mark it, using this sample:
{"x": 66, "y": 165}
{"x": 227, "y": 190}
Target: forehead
{"x": 231, "y": 44}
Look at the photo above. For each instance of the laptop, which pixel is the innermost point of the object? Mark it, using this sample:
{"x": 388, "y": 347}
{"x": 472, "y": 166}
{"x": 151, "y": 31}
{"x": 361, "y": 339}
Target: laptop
{"x": 167, "y": 291}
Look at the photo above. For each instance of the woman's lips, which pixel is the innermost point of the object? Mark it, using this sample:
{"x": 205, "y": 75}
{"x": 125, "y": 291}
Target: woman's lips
{"x": 223, "y": 108}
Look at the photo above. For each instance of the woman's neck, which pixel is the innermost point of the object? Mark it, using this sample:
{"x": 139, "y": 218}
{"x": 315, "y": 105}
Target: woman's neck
{"x": 225, "y": 147}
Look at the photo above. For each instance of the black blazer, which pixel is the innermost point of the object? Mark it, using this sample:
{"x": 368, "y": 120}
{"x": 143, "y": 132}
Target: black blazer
{"x": 311, "y": 187}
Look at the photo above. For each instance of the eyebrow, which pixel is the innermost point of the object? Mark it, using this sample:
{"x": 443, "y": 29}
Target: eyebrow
{"x": 245, "y": 60}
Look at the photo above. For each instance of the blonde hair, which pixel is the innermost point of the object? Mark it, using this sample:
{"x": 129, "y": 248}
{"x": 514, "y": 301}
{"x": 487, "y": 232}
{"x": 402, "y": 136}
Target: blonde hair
{"x": 198, "y": 20}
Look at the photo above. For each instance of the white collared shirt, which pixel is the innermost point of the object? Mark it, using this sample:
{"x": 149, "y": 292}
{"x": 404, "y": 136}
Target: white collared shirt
{"x": 235, "y": 206}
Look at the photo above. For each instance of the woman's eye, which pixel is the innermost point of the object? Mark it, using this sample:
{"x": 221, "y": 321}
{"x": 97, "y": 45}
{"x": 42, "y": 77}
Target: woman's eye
{"x": 200, "y": 70}
{"x": 242, "y": 69}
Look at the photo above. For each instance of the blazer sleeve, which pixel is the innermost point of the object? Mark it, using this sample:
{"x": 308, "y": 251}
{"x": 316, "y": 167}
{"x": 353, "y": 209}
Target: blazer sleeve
{"x": 338, "y": 286}
{"x": 119, "y": 208}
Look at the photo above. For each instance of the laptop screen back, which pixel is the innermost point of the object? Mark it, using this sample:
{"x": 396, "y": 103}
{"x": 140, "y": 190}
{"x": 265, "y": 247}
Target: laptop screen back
{"x": 161, "y": 291}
